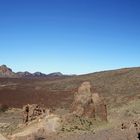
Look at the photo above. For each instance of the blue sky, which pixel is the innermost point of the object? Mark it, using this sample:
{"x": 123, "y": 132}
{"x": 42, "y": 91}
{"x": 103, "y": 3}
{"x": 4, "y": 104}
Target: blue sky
{"x": 70, "y": 36}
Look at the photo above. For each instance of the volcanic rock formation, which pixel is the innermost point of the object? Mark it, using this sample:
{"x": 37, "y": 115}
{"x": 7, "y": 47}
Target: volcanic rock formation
{"x": 89, "y": 104}
{"x": 32, "y": 112}
{"x": 6, "y": 72}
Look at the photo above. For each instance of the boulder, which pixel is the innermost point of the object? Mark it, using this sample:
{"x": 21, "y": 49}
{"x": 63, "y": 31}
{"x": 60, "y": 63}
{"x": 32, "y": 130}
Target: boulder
{"x": 49, "y": 124}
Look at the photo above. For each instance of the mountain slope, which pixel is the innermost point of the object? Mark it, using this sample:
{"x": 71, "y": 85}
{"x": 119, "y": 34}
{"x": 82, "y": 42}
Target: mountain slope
{"x": 117, "y": 86}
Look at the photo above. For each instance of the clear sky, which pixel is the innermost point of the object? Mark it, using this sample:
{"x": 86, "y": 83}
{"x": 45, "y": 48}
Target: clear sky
{"x": 70, "y": 36}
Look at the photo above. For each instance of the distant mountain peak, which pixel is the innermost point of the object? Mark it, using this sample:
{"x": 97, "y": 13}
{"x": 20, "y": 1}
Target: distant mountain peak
{"x": 4, "y": 66}
{"x": 7, "y": 72}
{"x": 55, "y": 74}
{"x": 39, "y": 74}
{"x": 23, "y": 74}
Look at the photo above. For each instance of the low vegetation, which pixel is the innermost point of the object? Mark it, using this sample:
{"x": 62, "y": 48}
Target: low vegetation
{"x": 3, "y": 108}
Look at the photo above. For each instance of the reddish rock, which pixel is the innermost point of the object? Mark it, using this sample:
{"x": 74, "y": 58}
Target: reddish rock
{"x": 32, "y": 112}
{"x": 89, "y": 104}
{"x": 100, "y": 107}
{"x": 6, "y": 72}
{"x": 83, "y": 105}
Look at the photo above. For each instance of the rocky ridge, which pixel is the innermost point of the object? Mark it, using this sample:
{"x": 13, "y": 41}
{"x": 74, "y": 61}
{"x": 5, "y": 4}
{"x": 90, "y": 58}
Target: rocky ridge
{"x": 6, "y": 72}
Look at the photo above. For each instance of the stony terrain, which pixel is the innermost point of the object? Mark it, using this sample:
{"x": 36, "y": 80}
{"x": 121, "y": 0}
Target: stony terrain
{"x": 112, "y": 96}
{"x": 118, "y": 87}
{"x": 123, "y": 124}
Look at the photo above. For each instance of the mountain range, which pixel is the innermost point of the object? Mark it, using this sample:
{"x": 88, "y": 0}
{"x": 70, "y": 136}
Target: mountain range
{"x": 8, "y": 73}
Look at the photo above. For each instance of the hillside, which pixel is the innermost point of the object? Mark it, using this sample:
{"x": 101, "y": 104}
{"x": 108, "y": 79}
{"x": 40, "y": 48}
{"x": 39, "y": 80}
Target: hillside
{"x": 117, "y": 86}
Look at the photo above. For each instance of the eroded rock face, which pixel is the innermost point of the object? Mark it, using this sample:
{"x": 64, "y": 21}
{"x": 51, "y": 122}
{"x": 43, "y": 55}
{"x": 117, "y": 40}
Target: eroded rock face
{"x": 89, "y": 104}
{"x": 100, "y": 107}
{"x": 6, "y": 72}
{"x": 32, "y": 112}
{"x": 83, "y": 104}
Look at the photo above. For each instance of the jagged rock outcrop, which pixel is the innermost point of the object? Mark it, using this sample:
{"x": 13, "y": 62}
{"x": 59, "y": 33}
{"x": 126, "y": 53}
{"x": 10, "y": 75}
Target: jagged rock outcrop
{"x": 32, "y": 112}
{"x": 100, "y": 107}
{"x": 89, "y": 104}
{"x": 83, "y": 104}
{"x": 6, "y": 72}
{"x": 38, "y": 123}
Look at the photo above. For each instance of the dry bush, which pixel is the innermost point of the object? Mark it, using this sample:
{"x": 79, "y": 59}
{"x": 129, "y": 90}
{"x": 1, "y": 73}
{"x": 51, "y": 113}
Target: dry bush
{"x": 3, "y": 108}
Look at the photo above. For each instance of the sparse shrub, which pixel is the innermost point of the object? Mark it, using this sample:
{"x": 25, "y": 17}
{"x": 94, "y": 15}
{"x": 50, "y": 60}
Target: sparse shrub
{"x": 63, "y": 129}
{"x": 39, "y": 138}
{"x": 3, "y": 108}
